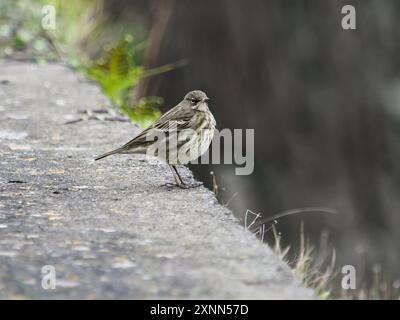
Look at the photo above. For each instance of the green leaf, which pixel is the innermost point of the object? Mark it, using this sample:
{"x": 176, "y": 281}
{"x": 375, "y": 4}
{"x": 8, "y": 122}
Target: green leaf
{"x": 145, "y": 112}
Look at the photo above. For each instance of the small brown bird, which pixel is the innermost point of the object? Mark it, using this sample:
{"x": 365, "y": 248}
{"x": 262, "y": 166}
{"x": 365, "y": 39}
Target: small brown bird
{"x": 183, "y": 134}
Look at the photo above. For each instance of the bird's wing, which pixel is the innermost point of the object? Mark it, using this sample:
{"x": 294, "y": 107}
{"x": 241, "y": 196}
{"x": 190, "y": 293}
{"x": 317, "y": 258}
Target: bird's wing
{"x": 178, "y": 118}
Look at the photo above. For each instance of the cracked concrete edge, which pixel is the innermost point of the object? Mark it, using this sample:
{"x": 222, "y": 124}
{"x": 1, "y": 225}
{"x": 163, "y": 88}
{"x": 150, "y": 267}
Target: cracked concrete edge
{"x": 110, "y": 228}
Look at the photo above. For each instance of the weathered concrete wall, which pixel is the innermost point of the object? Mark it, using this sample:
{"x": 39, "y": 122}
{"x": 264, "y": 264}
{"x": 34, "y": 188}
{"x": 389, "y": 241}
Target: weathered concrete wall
{"x": 110, "y": 228}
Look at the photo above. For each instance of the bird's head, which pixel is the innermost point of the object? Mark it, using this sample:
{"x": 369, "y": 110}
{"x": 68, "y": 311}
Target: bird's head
{"x": 197, "y": 100}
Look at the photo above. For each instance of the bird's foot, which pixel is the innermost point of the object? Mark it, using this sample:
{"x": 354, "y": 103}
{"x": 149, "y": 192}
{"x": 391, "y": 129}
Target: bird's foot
{"x": 190, "y": 186}
{"x": 170, "y": 186}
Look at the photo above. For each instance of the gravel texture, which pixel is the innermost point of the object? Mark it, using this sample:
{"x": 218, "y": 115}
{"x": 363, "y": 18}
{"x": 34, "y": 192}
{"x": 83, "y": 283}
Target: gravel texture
{"x": 112, "y": 228}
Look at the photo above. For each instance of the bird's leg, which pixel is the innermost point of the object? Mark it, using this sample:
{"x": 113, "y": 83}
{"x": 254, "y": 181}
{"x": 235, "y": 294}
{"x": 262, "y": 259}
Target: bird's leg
{"x": 177, "y": 177}
{"x": 179, "y": 180}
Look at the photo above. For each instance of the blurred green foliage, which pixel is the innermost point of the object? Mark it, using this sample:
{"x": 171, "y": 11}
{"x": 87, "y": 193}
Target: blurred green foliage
{"x": 117, "y": 73}
{"x": 21, "y": 34}
{"x": 80, "y": 23}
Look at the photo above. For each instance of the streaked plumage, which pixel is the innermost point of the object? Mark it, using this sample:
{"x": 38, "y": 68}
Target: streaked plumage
{"x": 186, "y": 132}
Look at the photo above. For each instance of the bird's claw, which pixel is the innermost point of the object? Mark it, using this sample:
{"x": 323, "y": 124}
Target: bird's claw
{"x": 183, "y": 185}
{"x": 190, "y": 186}
{"x": 169, "y": 186}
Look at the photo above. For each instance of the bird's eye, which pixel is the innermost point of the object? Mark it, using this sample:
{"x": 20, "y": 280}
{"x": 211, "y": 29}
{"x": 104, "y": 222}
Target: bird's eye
{"x": 193, "y": 101}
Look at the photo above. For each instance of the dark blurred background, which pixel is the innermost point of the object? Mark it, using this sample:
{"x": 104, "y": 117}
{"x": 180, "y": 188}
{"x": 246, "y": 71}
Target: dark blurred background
{"x": 324, "y": 103}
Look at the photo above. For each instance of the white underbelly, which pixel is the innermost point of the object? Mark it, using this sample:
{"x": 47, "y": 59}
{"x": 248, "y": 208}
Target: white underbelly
{"x": 195, "y": 147}
{"x": 192, "y": 144}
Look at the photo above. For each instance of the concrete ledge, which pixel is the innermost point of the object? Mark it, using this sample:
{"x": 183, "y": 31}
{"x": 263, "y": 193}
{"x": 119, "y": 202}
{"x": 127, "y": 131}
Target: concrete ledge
{"x": 110, "y": 228}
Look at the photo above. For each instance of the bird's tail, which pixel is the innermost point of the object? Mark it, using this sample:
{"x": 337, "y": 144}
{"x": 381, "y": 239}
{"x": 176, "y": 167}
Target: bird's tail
{"x": 108, "y": 154}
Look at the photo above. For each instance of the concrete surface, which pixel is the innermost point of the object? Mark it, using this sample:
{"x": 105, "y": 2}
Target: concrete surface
{"x": 110, "y": 228}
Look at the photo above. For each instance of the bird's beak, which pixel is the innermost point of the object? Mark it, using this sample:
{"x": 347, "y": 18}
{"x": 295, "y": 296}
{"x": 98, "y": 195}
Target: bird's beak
{"x": 206, "y": 99}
